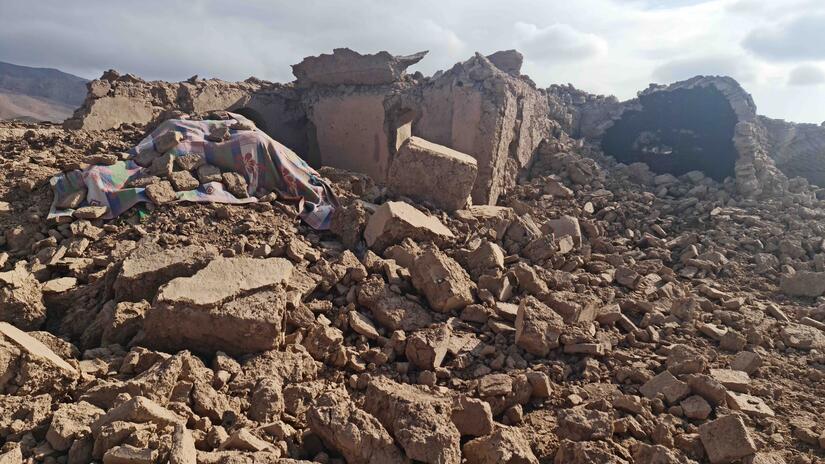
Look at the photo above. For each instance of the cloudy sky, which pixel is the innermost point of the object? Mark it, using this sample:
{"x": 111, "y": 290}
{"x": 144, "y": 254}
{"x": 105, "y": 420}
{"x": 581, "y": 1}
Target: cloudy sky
{"x": 775, "y": 48}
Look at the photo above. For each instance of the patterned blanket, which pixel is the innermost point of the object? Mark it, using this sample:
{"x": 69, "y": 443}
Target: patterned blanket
{"x": 266, "y": 164}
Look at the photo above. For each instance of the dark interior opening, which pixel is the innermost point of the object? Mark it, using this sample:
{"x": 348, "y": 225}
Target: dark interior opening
{"x": 253, "y": 116}
{"x": 677, "y": 132}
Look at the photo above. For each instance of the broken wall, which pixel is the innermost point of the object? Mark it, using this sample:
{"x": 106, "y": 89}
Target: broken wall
{"x": 493, "y": 116}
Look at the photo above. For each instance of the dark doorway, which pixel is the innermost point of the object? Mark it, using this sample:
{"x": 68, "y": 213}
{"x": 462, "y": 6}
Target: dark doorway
{"x": 677, "y": 132}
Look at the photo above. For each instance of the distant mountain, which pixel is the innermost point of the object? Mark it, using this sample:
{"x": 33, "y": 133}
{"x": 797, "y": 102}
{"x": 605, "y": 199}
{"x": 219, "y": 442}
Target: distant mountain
{"x": 39, "y": 94}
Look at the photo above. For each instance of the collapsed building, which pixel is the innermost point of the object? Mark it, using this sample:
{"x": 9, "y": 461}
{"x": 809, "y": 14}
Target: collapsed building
{"x": 353, "y": 111}
{"x": 639, "y": 307}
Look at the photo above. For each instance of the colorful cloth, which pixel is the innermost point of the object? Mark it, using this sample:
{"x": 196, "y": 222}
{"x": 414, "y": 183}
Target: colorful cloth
{"x": 266, "y": 165}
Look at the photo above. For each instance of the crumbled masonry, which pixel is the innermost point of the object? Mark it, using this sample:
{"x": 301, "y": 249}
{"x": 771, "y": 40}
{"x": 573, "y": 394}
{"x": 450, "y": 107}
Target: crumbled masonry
{"x": 513, "y": 275}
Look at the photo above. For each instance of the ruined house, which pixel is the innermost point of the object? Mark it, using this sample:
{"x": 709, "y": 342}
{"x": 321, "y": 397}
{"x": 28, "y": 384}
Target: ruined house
{"x": 353, "y": 111}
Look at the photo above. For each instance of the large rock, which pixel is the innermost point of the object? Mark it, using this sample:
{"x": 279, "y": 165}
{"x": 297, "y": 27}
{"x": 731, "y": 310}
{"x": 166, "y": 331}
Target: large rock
{"x": 150, "y": 265}
{"x": 21, "y": 299}
{"x": 235, "y": 305}
{"x": 419, "y": 421}
{"x": 538, "y": 327}
{"x": 347, "y": 67}
{"x": 443, "y": 281}
{"x": 395, "y": 220}
{"x": 810, "y": 284}
{"x": 726, "y": 439}
{"x": 354, "y": 433}
{"x": 429, "y": 172}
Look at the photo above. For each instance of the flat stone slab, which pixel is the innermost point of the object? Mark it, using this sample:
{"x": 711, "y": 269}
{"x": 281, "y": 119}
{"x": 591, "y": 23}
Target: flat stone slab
{"x": 34, "y": 346}
{"x": 225, "y": 278}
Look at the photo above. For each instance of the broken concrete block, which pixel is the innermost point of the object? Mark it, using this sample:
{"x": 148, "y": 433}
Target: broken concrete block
{"x": 205, "y": 313}
{"x": 150, "y": 265}
{"x": 419, "y": 421}
{"x": 427, "y": 348}
{"x": 505, "y": 445}
{"x": 21, "y": 298}
{"x": 190, "y": 161}
{"x": 538, "y": 327}
{"x": 395, "y": 220}
{"x": 347, "y": 67}
{"x": 357, "y": 435}
{"x": 162, "y": 166}
{"x": 429, "y": 172}
{"x": 161, "y": 193}
{"x": 726, "y": 439}
{"x": 443, "y": 281}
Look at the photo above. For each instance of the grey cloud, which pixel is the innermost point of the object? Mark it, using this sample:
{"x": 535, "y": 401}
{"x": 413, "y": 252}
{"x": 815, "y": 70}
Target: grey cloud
{"x": 797, "y": 39}
{"x": 558, "y": 42}
{"x": 685, "y": 68}
{"x": 806, "y": 75}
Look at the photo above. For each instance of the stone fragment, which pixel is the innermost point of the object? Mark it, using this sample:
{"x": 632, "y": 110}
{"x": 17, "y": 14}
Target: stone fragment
{"x": 190, "y": 161}
{"x": 665, "y": 383}
{"x": 803, "y": 283}
{"x": 21, "y": 298}
{"x": 505, "y": 445}
{"x": 726, "y": 439}
{"x": 427, "y": 348}
{"x": 35, "y": 347}
{"x": 235, "y": 184}
{"x": 395, "y": 220}
{"x": 13, "y": 456}
{"x": 161, "y": 193}
{"x": 472, "y": 416}
{"x": 140, "y": 410}
{"x": 71, "y": 421}
{"x": 390, "y": 309}
{"x": 429, "y": 172}
{"x": 128, "y": 454}
{"x": 162, "y": 166}
{"x": 746, "y": 361}
{"x": 797, "y": 336}
{"x": 538, "y": 327}
{"x": 444, "y": 283}
{"x": 733, "y": 380}
{"x": 581, "y": 424}
{"x": 357, "y": 435}
{"x": 167, "y": 141}
{"x": 243, "y": 440}
{"x": 695, "y": 407}
{"x": 748, "y": 404}
{"x": 708, "y": 388}
{"x": 362, "y": 325}
{"x": 486, "y": 257}
{"x": 564, "y": 225}
{"x": 150, "y": 265}
{"x": 495, "y": 385}
{"x": 183, "y": 449}
{"x": 419, "y": 421}
{"x": 90, "y": 212}
{"x": 183, "y": 181}
{"x": 209, "y": 173}
{"x": 267, "y": 401}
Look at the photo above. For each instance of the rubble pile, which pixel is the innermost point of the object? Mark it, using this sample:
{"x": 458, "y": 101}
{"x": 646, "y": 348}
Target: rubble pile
{"x": 583, "y": 310}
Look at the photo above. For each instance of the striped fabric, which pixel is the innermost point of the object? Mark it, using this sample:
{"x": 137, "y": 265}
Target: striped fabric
{"x": 266, "y": 164}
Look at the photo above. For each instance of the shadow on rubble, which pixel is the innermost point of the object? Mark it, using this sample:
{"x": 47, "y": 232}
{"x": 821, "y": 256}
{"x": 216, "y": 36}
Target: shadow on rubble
{"x": 677, "y": 132}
